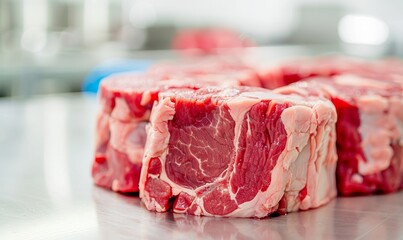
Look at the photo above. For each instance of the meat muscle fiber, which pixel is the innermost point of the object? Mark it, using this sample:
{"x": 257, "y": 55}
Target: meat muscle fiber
{"x": 242, "y": 152}
{"x": 369, "y": 130}
{"x": 126, "y": 102}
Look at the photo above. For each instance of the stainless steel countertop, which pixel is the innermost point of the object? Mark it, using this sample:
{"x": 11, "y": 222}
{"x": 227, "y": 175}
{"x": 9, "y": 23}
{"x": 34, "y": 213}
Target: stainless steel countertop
{"x": 46, "y": 192}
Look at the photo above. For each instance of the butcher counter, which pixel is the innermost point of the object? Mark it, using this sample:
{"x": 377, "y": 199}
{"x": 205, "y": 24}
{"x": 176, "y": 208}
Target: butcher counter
{"x": 46, "y": 191}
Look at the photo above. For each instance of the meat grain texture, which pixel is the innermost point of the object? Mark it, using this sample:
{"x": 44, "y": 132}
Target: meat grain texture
{"x": 248, "y": 152}
{"x": 126, "y": 103}
{"x": 240, "y": 152}
{"x": 369, "y": 130}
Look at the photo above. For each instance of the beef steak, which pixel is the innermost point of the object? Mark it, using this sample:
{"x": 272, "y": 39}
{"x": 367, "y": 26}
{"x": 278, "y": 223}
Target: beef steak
{"x": 243, "y": 152}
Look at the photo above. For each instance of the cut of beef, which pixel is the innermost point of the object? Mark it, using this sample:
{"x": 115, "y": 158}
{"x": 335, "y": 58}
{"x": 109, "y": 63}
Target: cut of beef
{"x": 114, "y": 170}
{"x": 126, "y": 101}
{"x": 243, "y": 152}
{"x": 235, "y": 68}
{"x": 369, "y": 131}
{"x": 130, "y": 97}
{"x": 295, "y": 70}
{"x": 119, "y": 151}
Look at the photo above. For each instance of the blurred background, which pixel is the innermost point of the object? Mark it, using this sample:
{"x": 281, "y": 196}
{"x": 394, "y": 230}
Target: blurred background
{"x": 58, "y": 46}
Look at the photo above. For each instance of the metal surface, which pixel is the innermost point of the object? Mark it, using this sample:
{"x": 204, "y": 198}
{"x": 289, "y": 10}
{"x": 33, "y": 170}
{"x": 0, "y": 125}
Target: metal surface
{"x": 46, "y": 192}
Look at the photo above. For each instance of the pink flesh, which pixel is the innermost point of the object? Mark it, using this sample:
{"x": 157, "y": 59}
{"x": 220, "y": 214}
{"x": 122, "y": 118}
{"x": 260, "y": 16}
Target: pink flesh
{"x": 107, "y": 171}
{"x": 126, "y": 104}
{"x": 131, "y": 99}
{"x": 118, "y": 155}
{"x": 213, "y": 161}
{"x": 368, "y": 131}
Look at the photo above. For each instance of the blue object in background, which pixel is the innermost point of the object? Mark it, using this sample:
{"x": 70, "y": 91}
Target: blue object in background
{"x": 91, "y": 82}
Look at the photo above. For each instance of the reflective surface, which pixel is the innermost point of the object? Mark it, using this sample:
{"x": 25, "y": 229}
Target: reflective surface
{"x": 46, "y": 192}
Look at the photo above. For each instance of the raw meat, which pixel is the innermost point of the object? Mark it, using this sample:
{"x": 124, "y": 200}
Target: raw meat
{"x": 242, "y": 152}
{"x": 131, "y": 96}
{"x": 126, "y": 101}
{"x": 296, "y": 70}
{"x": 369, "y": 130}
{"x": 234, "y": 67}
{"x": 292, "y": 71}
{"x": 119, "y": 151}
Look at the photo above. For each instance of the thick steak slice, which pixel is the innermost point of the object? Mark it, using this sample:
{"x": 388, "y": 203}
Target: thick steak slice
{"x": 369, "y": 131}
{"x": 126, "y": 101}
{"x": 242, "y": 152}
